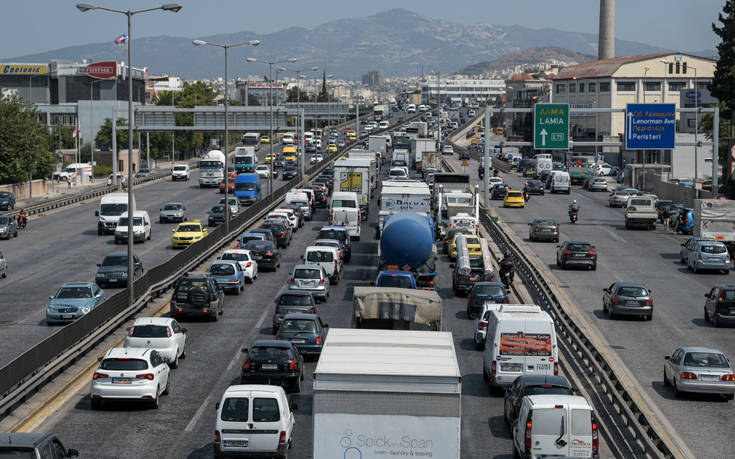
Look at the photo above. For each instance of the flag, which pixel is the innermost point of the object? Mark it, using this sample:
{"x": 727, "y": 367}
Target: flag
{"x": 121, "y": 40}
{"x": 74, "y": 132}
{"x": 77, "y": 132}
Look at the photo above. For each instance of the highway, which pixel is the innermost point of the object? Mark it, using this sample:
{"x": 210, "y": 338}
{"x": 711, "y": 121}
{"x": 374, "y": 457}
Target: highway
{"x": 702, "y": 421}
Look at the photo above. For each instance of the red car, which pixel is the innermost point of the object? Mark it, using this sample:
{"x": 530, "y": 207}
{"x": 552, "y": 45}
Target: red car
{"x": 230, "y": 183}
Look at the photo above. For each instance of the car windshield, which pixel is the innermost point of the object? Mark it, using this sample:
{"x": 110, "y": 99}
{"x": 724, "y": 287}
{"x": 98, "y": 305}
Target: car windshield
{"x": 295, "y": 300}
{"x": 235, "y": 409}
{"x": 534, "y": 183}
{"x": 113, "y": 209}
{"x": 514, "y": 194}
{"x": 150, "y": 331}
{"x": 395, "y": 280}
{"x": 173, "y": 207}
{"x": 304, "y": 273}
{"x": 4, "y": 194}
{"x": 218, "y": 210}
{"x": 546, "y": 222}
{"x": 265, "y": 410}
{"x": 489, "y": 290}
{"x": 115, "y": 260}
{"x": 17, "y": 452}
{"x": 252, "y": 237}
{"x": 245, "y": 186}
{"x": 472, "y": 241}
{"x": 705, "y": 360}
{"x": 579, "y": 247}
{"x": 189, "y": 228}
{"x": 632, "y": 291}
{"x": 137, "y": 221}
{"x": 268, "y": 353}
{"x": 546, "y": 389}
{"x": 344, "y": 203}
{"x": 179, "y": 168}
{"x": 74, "y": 292}
{"x": 298, "y": 326}
{"x": 123, "y": 364}
{"x": 258, "y": 245}
{"x": 221, "y": 269}
{"x": 712, "y": 248}
{"x": 398, "y": 173}
{"x": 262, "y": 168}
{"x": 317, "y": 256}
{"x": 4, "y": 220}
{"x": 332, "y": 234}
{"x": 235, "y": 256}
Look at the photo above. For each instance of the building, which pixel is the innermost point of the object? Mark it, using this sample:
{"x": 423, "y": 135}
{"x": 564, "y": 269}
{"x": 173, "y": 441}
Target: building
{"x": 523, "y": 90}
{"x": 156, "y": 84}
{"x": 256, "y": 93}
{"x": 460, "y": 90}
{"x": 373, "y": 78}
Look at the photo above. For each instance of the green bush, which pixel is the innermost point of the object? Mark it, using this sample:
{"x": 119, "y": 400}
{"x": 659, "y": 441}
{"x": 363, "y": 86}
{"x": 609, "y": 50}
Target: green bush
{"x": 103, "y": 171}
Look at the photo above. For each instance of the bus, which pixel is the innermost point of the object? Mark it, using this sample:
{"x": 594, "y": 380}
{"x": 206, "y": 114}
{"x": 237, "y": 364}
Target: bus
{"x": 251, "y": 139}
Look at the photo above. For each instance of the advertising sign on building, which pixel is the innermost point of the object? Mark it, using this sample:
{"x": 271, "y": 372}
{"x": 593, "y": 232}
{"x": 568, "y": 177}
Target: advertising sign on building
{"x": 264, "y": 85}
{"x": 102, "y": 70}
{"x": 23, "y": 69}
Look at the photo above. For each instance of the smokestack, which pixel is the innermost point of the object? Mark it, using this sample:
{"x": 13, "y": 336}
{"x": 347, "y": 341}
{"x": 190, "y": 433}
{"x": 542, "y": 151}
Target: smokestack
{"x": 606, "y": 45}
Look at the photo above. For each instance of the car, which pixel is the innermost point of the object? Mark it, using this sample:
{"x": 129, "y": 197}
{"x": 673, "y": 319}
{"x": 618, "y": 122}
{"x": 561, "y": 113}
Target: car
{"x": 499, "y": 191}
{"x": 603, "y": 169}
{"x": 310, "y": 277}
{"x": 235, "y": 207}
{"x": 709, "y": 255}
{"x": 395, "y": 279}
{"x": 3, "y": 266}
{"x": 398, "y": 173}
{"x": 144, "y": 173}
{"x": 619, "y": 198}
{"x": 306, "y": 331}
{"x": 332, "y": 148}
{"x": 8, "y": 226}
{"x": 492, "y": 181}
{"x": 172, "y": 212}
{"x": 543, "y": 229}
{"x": 481, "y": 322}
{"x": 317, "y": 158}
{"x": 534, "y": 187}
{"x": 264, "y": 235}
{"x": 290, "y": 217}
{"x": 113, "y": 271}
{"x": 595, "y": 184}
{"x": 447, "y": 150}
{"x": 263, "y": 171}
{"x": 279, "y": 163}
{"x": 197, "y": 294}
{"x": 273, "y": 362}
{"x": 531, "y": 385}
{"x": 7, "y": 200}
{"x": 178, "y": 172}
{"x": 231, "y": 180}
{"x": 449, "y": 237}
{"x": 298, "y": 211}
{"x": 544, "y": 175}
{"x": 290, "y": 172}
{"x": 265, "y": 139}
{"x": 320, "y": 195}
{"x": 292, "y": 302}
{"x": 33, "y": 445}
{"x": 281, "y": 230}
{"x": 339, "y": 233}
{"x": 719, "y": 307}
{"x": 482, "y": 293}
{"x": 341, "y": 144}
{"x": 73, "y": 300}
{"x": 699, "y": 370}
{"x": 228, "y": 275}
{"x": 121, "y": 178}
{"x": 163, "y": 334}
{"x": 248, "y": 265}
{"x": 187, "y": 233}
{"x": 514, "y": 198}
{"x": 464, "y": 154}
{"x": 571, "y": 253}
{"x": 627, "y": 298}
{"x": 473, "y": 246}
{"x": 265, "y": 253}
{"x": 128, "y": 373}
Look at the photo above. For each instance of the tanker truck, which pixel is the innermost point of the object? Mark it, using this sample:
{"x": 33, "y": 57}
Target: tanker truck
{"x": 407, "y": 244}
{"x": 211, "y": 168}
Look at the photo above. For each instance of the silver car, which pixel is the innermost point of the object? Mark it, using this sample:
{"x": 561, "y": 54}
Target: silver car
{"x": 311, "y": 278}
{"x": 8, "y": 226}
{"x": 619, "y": 198}
{"x": 234, "y": 206}
{"x": 3, "y": 266}
{"x": 709, "y": 255}
{"x": 690, "y": 245}
{"x": 595, "y": 184}
{"x": 172, "y": 212}
{"x": 700, "y": 370}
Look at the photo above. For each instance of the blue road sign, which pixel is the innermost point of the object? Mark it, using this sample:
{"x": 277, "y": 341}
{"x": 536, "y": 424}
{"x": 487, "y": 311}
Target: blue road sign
{"x": 650, "y": 126}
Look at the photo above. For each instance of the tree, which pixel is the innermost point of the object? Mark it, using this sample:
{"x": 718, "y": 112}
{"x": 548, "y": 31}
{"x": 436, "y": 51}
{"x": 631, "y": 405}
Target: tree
{"x": 723, "y": 82}
{"x": 103, "y": 139}
{"x": 24, "y": 142}
{"x": 62, "y": 137}
{"x": 292, "y": 95}
{"x": 323, "y": 94}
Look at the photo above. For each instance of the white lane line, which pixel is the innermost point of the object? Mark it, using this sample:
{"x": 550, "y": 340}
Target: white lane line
{"x": 235, "y": 358}
{"x": 615, "y": 236}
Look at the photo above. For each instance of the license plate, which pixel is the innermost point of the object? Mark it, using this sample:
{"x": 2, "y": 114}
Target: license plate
{"x": 269, "y": 366}
{"x": 236, "y": 443}
{"x": 580, "y": 254}
{"x": 122, "y": 380}
{"x": 298, "y": 341}
{"x": 544, "y": 366}
{"x": 631, "y": 303}
{"x": 67, "y": 316}
{"x": 709, "y": 377}
{"x": 510, "y": 367}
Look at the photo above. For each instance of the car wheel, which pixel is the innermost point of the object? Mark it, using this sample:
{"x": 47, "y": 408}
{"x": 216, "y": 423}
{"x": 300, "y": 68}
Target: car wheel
{"x": 715, "y": 321}
{"x": 558, "y": 263}
{"x": 275, "y": 330}
{"x": 237, "y": 290}
{"x": 154, "y": 403}
{"x": 725, "y": 271}
{"x": 666, "y": 381}
{"x": 516, "y": 454}
{"x": 215, "y": 317}
{"x": 728, "y": 396}
{"x": 706, "y": 315}
{"x": 694, "y": 268}
{"x": 677, "y": 392}
{"x": 175, "y": 363}
{"x": 5, "y": 273}
{"x": 480, "y": 346}
{"x": 610, "y": 314}
{"x": 183, "y": 352}
{"x": 484, "y": 374}
{"x": 150, "y": 235}
{"x": 649, "y": 316}
{"x": 167, "y": 390}
{"x": 96, "y": 403}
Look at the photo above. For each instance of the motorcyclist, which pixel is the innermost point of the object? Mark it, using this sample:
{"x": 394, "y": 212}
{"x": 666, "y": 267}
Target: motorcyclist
{"x": 573, "y": 208}
{"x": 506, "y": 266}
{"x": 22, "y": 218}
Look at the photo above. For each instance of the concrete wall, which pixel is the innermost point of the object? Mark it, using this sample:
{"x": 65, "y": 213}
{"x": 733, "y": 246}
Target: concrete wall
{"x": 677, "y": 193}
{"x": 22, "y": 190}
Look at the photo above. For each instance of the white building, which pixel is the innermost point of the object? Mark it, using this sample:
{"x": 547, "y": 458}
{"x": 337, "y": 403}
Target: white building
{"x": 460, "y": 89}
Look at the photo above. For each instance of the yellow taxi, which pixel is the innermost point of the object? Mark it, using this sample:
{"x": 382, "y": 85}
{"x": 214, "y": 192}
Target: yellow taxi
{"x": 331, "y": 148}
{"x": 290, "y": 153}
{"x": 270, "y": 157}
{"x": 265, "y": 139}
{"x": 499, "y": 130}
{"x": 352, "y": 135}
{"x": 187, "y": 233}
{"x": 473, "y": 246}
{"x": 514, "y": 198}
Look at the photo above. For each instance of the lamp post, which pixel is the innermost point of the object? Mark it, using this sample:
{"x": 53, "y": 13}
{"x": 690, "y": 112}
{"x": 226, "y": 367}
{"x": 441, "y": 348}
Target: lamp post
{"x": 302, "y": 153}
{"x": 226, "y": 47}
{"x": 329, "y": 104}
{"x": 270, "y": 103}
{"x": 173, "y": 7}
{"x": 91, "y": 119}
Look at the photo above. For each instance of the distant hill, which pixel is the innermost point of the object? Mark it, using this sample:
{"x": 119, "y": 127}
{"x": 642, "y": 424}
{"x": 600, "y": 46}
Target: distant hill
{"x": 531, "y": 57}
{"x": 398, "y": 42}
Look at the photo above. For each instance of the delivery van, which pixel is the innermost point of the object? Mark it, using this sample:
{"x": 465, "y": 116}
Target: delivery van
{"x": 111, "y": 207}
{"x": 558, "y": 181}
{"x": 141, "y": 227}
{"x": 349, "y": 217}
{"x": 520, "y": 340}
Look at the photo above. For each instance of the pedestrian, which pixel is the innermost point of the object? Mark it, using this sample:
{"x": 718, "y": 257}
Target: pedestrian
{"x": 666, "y": 217}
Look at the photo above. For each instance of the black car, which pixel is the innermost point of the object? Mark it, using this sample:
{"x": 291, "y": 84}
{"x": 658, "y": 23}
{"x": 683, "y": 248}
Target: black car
{"x": 265, "y": 253}
{"x": 292, "y": 302}
{"x": 320, "y": 198}
{"x": 113, "y": 271}
{"x": 328, "y": 171}
{"x": 279, "y": 163}
{"x": 216, "y": 215}
{"x": 273, "y": 362}
{"x": 197, "y": 294}
{"x": 531, "y": 385}
{"x": 719, "y": 307}
{"x": 534, "y": 187}
{"x": 482, "y": 292}
{"x": 544, "y": 175}
{"x": 464, "y": 154}
{"x": 7, "y": 200}
{"x": 290, "y": 172}
{"x": 576, "y": 253}
{"x": 499, "y": 191}
{"x": 281, "y": 232}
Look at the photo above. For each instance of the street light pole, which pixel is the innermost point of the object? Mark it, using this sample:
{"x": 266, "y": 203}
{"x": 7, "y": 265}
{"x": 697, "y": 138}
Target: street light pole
{"x": 299, "y": 125}
{"x": 173, "y": 7}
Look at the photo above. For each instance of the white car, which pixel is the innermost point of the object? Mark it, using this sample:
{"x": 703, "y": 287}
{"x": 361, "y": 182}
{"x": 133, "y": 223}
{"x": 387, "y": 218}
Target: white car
{"x": 120, "y": 179}
{"x": 481, "y": 324}
{"x": 603, "y": 169}
{"x": 398, "y": 173}
{"x": 448, "y": 150}
{"x": 180, "y": 172}
{"x": 317, "y": 158}
{"x": 274, "y": 217}
{"x": 492, "y": 181}
{"x": 234, "y": 206}
{"x": 384, "y": 124}
{"x": 293, "y": 219}
{"x": 127, "y": 373}
{"x": 163, "y": 334}
{"x": 263, "y": 171}
{"x": 247, "y": 263}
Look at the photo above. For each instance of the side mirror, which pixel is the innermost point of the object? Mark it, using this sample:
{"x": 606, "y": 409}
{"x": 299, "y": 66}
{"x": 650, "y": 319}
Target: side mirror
{"x": 99, "y": 264}
{"x": 293, "y": 406}
{"x": 160, "y": 208}
{"x": 529, "y": 224}
{"x": 244, "y": 350}
{"x": 50, "y": 297}
{"x": 173, "y": 230}
{"x": 706, "y": 295}
{"x": 216, "y": 406}
{"x": 96, "y": 213}
{"x": 667, "y": 357}
{"x": 99, "y": 359}
{"x": 184, "y": 330}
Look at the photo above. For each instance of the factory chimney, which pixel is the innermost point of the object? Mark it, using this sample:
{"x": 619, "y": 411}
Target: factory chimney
{"x": 606, "y": 46}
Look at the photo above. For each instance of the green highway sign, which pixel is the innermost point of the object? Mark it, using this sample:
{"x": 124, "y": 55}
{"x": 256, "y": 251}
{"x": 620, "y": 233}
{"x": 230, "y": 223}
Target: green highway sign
{"x": 551, "y": 127}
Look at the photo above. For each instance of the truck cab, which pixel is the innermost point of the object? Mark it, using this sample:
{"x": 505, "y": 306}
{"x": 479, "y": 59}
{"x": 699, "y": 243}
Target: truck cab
{"x": 641, "y": 211}
{"x": 111, "y": 207}
{"x": 398, "y": 279}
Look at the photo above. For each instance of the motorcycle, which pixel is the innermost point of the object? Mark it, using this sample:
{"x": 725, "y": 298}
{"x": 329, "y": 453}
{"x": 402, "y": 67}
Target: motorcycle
{"x": 507, "y": 273}
{"x": 22, "y": 222}
{"x": 526, "y": 195}
{"x": 573, "y": 216}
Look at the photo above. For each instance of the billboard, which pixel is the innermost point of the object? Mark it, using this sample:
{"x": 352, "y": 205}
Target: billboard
{"x": 23, "y": 69}
{"x": 102, "y": 70}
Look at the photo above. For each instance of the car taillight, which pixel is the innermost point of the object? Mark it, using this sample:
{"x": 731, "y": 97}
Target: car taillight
{"x": 473, "y": 300}
{"x": 148, "y": 376}
{"x": 293, "y": 366}
{"x": 505, "y": 300}
{"x": 168, "y": 332}
{"x": 282, "y": 437}
{"x": 283, "y": 234}
{"x": 278, "y": 310}
{"x": 217, "y": 437}
{"x": 567, "y": 252}
{"x": 100, "y": 375}
{"x": 729, "y": 377}
{"x": 529, "y": 426}
{"x": 130, "y": 331}
{"x": 269, "y": 254}
{"x": 615, "y": 300}
{"x": 248, "y": 264}
{"x": 322, "y": 281}
{"x": 246, "y": 365}
{"x": 649, "y": 302}
{"x": 292, "y": 280}
{"x": 595, "y": 437}
{"x": 592, "y": 253}
{"x": 687, "y": 375}
{"x": 535, "y": 230}
{"x": 318, "y": 340}
{"x": 239, "y": 246}
{"x": 494, "y": 367}
{"x": 556, "y": 369}
{"x": 313, "y": 310}
{"x": 482, "y": 325}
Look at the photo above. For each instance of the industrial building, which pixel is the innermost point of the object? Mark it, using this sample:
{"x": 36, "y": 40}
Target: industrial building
{"x": 460, "y": 90}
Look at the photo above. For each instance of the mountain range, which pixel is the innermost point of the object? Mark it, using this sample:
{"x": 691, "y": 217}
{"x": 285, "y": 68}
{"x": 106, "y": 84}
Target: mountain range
{"x": 397, "y": 41}
{"x": 508, "y": 64}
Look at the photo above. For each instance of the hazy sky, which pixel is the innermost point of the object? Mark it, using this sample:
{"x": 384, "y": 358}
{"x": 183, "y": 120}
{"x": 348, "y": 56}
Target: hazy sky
{"x": 30, "y": 26}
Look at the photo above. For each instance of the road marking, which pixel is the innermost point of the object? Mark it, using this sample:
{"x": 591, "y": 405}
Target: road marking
{"x": 615, "y": 236}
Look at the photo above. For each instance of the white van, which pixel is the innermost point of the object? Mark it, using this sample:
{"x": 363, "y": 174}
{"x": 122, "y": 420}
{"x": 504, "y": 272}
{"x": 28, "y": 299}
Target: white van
{"x": 111, "y": 207}
{"x": 253, "y": 419}
{"x": 520, "y": 340}
{"x": 141, "y": 227}
{"x": 411, "y": 108}
{"x": 344, "y": 199}
{"x": 180, "y": 172}
{"x": 349, "y": 217}
{"x": 559, "y": 181}
{"x": 297, "y": 198}
{"x": 326, "y": 256}
{"x": 556, "y": 426}
{"x": 287, "y": 139}
{"x": 543, "y": 164}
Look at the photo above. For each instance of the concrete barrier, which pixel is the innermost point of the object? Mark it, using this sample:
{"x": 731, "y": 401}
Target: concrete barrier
{"x": 26, "y": 190}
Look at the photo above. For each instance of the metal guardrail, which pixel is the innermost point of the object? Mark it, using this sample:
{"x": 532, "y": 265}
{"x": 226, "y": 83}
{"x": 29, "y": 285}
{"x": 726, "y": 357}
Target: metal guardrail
{"x": 25, "y": 374}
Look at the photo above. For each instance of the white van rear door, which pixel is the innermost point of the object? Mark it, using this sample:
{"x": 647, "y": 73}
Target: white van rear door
{"x": 266, "y": 414}
{"x": 550, "y": 432}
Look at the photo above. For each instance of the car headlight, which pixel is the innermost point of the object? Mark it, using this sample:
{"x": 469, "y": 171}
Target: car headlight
{"x": 84, "y": 309}
{"x": 50, "y": 310}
